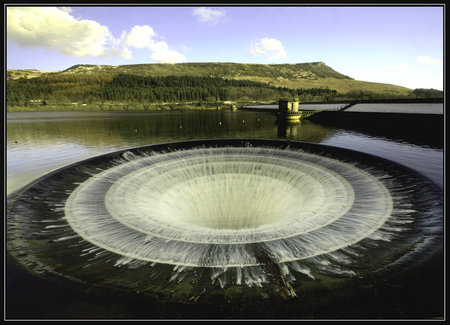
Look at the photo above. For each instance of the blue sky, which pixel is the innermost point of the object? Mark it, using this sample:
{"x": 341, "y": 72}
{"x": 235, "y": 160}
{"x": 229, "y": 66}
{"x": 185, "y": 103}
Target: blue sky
{"x": 401, "y": 45}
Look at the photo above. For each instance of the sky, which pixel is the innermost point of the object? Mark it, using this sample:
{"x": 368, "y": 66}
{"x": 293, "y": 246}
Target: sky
{"x": 400, "y": 45}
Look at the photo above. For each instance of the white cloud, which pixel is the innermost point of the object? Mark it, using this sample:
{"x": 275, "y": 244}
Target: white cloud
{"x": 397, "y": 68}
{"x": 209, "y": 15}
{"x": 140, "y": 37}
{"x": 168, "y": 56}
{"x": 66, "y": 9}
{"x": 270, "y": 47}
{"x": 144, "y": 37}
{"x": 54, "y": 28}
{"x": 427, "y": 60}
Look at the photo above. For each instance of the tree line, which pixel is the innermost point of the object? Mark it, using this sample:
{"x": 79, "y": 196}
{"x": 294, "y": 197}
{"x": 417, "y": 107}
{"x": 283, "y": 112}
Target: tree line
{"x": 97, "y": 88}
{"x": 106, "y": 87}
{"x": 189, "y": 88}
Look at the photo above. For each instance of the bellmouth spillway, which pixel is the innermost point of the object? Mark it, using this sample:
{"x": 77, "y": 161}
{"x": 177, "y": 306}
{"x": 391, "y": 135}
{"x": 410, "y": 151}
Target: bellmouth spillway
{"x": 228, "y": 208}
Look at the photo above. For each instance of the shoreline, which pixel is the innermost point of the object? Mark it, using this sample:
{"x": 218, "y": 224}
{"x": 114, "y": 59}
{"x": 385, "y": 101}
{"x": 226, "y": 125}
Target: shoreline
{"x": 193, "y": 106}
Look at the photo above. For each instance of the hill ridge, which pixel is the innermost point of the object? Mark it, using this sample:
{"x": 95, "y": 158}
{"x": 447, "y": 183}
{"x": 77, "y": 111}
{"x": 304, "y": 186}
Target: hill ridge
{"x": 312, "y": 80}
{"x": 308, "y": 70}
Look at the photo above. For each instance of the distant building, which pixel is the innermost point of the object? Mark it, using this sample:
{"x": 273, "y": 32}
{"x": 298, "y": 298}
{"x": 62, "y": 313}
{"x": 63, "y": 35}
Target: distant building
{"x": 284, "y": 105}
{"x": 289, "y": 110}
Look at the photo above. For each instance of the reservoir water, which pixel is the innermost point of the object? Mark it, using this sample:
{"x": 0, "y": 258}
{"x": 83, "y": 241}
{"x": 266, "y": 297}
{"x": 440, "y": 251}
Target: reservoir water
{"x": 38, "y": 143}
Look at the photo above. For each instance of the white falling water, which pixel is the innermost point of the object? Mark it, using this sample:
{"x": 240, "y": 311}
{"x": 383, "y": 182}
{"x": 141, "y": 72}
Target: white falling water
{"x": 205, "y": 207}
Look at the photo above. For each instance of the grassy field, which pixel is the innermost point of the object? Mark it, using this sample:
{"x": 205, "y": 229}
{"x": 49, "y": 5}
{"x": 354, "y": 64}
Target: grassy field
{"x": 85, "y": 87}
{"x": 341, "y": 85}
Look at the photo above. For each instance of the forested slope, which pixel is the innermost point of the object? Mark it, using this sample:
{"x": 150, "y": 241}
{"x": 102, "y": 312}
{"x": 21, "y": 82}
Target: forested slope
{"x": 194, "y": 82}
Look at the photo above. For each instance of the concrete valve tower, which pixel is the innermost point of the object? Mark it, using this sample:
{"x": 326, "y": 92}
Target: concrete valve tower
{"x": 289, "y": 110}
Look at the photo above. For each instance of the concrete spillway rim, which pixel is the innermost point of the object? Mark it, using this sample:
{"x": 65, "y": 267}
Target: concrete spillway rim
{"x": 234, "y": 142}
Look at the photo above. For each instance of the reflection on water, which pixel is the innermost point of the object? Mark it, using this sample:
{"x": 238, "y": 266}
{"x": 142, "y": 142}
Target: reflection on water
{"x": 141, "y": 129}
{"x": 423, "y": 129}
{"x": 427, "y": 161}
{"x": 38, "y": 143}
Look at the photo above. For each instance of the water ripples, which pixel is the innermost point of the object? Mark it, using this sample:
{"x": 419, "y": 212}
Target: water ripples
{"x": 229, "y": 208}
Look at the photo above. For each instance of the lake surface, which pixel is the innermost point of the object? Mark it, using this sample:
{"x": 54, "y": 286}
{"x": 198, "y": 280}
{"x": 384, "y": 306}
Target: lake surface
{"x": 38, "y": 143}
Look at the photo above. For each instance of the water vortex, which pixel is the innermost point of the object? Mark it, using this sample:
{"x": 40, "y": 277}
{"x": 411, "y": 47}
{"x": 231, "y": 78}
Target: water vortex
{"x": 227, "y": 209}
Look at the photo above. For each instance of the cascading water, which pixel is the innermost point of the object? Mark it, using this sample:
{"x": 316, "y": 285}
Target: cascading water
{"x": 224, "y": 213}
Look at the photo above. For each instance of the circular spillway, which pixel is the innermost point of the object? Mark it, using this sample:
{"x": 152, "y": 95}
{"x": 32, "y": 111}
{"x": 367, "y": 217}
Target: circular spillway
{"x": 228, "y": 210}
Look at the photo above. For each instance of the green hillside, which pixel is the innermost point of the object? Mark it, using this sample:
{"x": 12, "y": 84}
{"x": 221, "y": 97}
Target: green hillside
{"x": 301, "y": 70}
{"x": 145, "y": 86}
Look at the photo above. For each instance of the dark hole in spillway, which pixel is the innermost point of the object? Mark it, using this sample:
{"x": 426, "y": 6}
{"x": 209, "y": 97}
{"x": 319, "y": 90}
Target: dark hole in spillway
{"x": 217, "y": 220}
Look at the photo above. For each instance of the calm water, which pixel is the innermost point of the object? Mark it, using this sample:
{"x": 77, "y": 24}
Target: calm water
{"x": 38, "y": 143}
